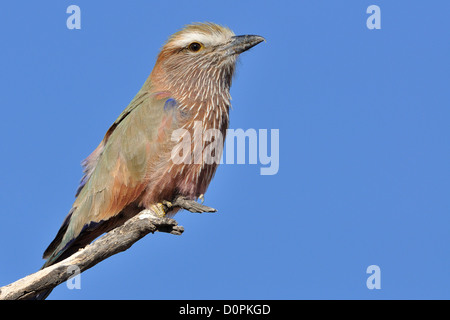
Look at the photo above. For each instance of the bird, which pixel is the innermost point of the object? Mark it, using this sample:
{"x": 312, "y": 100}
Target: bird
{"x": 132, "y": 167}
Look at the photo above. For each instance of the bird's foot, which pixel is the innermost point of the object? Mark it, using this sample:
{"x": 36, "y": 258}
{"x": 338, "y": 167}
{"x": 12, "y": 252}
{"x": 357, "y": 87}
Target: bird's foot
{"x": 202, "y": 198}
{"x": 161, "y": 208}
{"x": 168, "y": 204}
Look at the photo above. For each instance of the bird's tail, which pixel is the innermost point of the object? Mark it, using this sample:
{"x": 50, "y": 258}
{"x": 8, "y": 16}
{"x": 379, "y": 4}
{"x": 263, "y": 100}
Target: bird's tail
{"x": 60, "y": 249}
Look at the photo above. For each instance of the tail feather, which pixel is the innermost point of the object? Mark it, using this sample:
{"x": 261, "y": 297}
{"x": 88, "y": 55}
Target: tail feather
{"x": 59, "y": 236}
{"x": 58, "y": 251}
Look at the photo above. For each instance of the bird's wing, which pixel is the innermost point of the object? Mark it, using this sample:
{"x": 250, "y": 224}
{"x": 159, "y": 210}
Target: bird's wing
{"x": 116, "y": 174}
{"x": 90, "y": 162}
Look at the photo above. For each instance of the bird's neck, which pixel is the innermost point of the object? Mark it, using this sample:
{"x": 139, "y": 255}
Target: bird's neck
{"x": 204, "y": 98}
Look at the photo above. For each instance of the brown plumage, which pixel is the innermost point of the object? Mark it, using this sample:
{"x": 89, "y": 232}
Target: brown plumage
{"x": 131, "y": 169}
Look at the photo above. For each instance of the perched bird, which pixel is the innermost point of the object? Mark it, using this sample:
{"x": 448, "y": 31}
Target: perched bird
{"x": 131, "y": 169}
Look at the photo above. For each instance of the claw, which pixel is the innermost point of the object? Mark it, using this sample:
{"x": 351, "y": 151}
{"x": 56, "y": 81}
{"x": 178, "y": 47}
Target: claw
{"x": 168, "y": 204}
{"x": 202, "y": 198}
{"x": 159, "y": 210}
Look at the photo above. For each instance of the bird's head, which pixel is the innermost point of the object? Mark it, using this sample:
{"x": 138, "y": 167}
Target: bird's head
{"x": 200, "y": 56}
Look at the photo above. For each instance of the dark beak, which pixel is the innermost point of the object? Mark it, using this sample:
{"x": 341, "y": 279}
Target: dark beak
{"x": 240, "y": 44}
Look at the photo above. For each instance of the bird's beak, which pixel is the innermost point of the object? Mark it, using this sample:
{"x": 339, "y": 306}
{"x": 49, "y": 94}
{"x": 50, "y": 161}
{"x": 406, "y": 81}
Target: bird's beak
{"x": 240, "y": 44}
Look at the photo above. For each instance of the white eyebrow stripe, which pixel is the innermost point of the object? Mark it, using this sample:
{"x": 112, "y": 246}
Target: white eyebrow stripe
{"x": 206, "y": 39}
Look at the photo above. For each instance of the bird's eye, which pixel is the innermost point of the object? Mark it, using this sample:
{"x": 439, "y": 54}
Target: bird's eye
{"x": 195, "y": 46}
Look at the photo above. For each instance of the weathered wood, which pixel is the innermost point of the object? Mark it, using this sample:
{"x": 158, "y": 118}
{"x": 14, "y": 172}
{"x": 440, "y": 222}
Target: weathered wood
{"x": 191, "y": 205}
{"x": 115, "y": 241}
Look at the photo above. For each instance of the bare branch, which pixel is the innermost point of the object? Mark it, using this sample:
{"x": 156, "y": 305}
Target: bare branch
{"x": 115, "y": 241}
{"x": 191, "y": 205}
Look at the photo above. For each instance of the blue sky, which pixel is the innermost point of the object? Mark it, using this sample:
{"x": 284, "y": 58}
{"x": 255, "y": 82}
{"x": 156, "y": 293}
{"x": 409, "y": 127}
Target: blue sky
{"x": 363, "y": 117}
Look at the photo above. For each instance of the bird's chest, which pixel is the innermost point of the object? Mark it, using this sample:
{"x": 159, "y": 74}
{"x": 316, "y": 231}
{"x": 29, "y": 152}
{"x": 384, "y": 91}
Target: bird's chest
{"x": 197, "y": 152}
{"x": 189, "y": 159}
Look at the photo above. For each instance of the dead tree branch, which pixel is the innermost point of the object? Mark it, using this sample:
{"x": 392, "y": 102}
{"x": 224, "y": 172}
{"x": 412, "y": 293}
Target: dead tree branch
{"x": 115, "y": 241}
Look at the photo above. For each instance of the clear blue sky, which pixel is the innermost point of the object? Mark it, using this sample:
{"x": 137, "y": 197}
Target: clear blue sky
{"x": 364, "y": 173}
